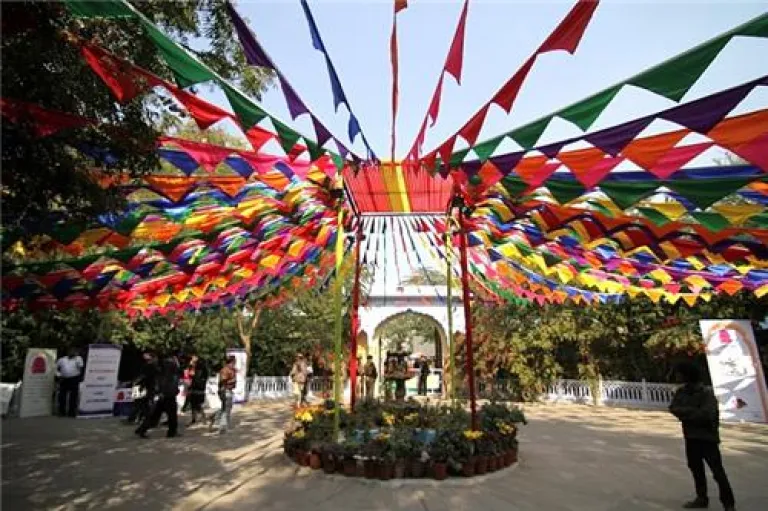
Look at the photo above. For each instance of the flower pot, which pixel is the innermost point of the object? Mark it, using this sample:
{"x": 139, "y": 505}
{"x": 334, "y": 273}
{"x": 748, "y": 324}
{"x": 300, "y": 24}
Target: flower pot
{"x": 468, "y": 467}
{"x": 315, "y": 463}
{"x": 386, "y": 470}
{"x": 339, "y": 462}
{"x": 440, "y": 470}
{"x": 371, "y": 471}
{"x": 329, "y": 464}
{"x": 514, "y": 455}
{"x": 359, "y": 468}
{"x": 481, "y": 467}
{"x": 400, "y": 469}
{"x": 492, "y": 464}
{"x": 302, "y": 458}
{"x": 417, "y": 469}
{"x": 350, "y": 468}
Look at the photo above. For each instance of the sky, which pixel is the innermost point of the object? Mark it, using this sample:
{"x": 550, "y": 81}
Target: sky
{"x": 623, "y": 38}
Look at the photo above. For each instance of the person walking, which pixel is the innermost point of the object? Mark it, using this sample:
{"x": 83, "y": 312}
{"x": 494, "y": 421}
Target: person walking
{"x": 370, "y": 374}
{"x": 168, "y": 389}
{"x": 147, "y": 384}
{"x": 227, "y": 383}
{"x": 696, "y": 407}
{"x": 299, "y": 378}
{"x": 186, "y": 381}
{"x": 69, "y": 370}
{"x": 197, "y": 387}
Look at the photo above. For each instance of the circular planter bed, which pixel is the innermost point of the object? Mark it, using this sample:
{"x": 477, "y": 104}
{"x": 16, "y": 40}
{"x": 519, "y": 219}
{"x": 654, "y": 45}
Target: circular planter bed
{"x": 404, "y": 440}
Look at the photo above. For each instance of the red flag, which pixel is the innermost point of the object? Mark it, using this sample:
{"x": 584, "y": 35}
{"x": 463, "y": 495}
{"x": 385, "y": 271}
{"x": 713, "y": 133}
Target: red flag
{"x": 434, "y": 105}
{"x": 453, "y": 63}
{"x": 400, "y": 5}
{"x": 568, "y": 33}
{"x": 508, "y": 93}
{"x": 121, "y": 77}
{"x": 471, "y": 130}
{"x": 395, "y": 73}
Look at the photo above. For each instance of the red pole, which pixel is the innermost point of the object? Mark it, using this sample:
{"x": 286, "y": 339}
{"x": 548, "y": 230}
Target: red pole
{"x": 470, "y": 366}
{"x": 355, "y": 319}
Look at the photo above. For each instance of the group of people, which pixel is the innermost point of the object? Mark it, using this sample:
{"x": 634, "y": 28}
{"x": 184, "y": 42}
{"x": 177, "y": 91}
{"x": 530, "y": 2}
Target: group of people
{"x": 159, "y": 384}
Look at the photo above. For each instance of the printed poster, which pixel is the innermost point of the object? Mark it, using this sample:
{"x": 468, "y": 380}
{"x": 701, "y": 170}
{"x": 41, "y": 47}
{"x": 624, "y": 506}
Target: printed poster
{"x": 97, "y": 392}
{"x": 736, "y": 371}
{"x": 240, "y": 393}
{"x": 38, "y": 383}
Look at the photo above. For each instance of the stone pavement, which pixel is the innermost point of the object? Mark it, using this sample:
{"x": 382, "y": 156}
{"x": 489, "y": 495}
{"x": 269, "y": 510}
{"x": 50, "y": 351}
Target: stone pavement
{"x": 572, "y": 458}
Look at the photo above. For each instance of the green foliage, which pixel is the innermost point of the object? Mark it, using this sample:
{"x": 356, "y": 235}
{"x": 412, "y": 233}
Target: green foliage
{"x": 401, "y": 329}
{"x": 46, "y": 179}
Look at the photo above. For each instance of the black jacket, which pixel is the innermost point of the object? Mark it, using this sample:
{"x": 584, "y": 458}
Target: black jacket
{"x": 696, "y": 407}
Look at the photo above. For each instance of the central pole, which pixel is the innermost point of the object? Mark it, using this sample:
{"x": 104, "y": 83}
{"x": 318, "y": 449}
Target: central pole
{"x": 355, "y": 319}
{"x": 467, "y": 317}
{"x": 337, "y": 381}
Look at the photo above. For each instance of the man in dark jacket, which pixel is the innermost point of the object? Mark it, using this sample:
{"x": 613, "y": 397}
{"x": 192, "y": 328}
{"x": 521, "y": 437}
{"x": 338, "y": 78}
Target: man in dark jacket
{"x": 696, "y": 407}
{"x": 168, "y": 389}
{"x": 147, "y": 382}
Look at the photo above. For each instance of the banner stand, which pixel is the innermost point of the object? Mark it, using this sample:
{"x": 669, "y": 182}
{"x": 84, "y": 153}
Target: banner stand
{"x": 97, "y": 391}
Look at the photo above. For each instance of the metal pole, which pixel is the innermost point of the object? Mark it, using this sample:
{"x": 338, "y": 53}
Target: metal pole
{"x": 451, "y": 345}
{"x": 467, "y": 318}
{"x": 355, "y": 318}
{"x": 337, "y": 381}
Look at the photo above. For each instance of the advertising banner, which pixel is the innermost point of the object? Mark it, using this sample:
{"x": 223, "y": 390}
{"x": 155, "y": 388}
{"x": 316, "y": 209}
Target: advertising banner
{"x": 240, "y": 393}
{"x": 38, "y": 383}
{"x": 736, "y": 371}
{"x": 97, "y": 392}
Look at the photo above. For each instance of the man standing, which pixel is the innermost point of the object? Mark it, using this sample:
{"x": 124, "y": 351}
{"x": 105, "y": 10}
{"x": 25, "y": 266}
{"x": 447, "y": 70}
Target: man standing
{"x": 370, "y": 373}
{"x": 227, "y": 384}
{"x": 147, "y": 383}
{"x": 69, "y": 369}
{"x": 299, "y": 378}
{"x": 168, "y": 388}
{"x": 423, "y": 375}
{"x": 696, "y": 407}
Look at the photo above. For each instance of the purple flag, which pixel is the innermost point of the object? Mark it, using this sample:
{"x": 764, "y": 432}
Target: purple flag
{"x": 321, "y": 132}
{"x": 295, "y": 105}
{"x": 254, "y": 53}
{"x": 354, "y": 128}
{"x": 613, "y": 140}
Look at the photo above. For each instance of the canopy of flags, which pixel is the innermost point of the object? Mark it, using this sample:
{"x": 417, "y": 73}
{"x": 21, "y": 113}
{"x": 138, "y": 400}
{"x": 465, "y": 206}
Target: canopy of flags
{"x": 625, "y": 216}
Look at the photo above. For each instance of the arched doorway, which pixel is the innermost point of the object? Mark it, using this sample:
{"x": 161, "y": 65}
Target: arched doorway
{"x": 428, "y": 303}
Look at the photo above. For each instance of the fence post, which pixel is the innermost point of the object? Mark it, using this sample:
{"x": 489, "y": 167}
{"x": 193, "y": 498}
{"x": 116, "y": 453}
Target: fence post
{"x": 599, "y": 397}
{"x": 645, "y": 397}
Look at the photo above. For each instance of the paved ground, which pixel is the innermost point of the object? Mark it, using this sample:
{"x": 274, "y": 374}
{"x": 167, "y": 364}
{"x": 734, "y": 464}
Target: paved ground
{"x": 572, "y": 458}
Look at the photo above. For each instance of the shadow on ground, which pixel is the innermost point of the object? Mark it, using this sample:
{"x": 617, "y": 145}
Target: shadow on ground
{"x": 572, "y": 458}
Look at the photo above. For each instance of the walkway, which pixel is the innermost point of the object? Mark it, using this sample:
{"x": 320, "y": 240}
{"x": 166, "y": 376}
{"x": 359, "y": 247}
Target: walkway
{"x": 573, "y": 458}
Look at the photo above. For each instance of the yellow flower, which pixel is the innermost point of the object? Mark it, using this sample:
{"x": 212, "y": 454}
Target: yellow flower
{"x": 388, "y": 418}
{"x": 382, "y": 437}
{"x": 298, "y": 433}
{"x": 473, "y": 435}
{"x": 412, "y": 417}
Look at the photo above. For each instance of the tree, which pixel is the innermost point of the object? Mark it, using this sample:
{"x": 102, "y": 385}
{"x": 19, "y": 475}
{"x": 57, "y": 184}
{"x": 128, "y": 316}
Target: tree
{"x": 401, "y": 329}
{"x": 429, "y": 277}
{"x": 51, "y": 179}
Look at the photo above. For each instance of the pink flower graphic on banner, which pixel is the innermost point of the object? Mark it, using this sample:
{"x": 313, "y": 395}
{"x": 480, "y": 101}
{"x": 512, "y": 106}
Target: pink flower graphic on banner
{"x": 39, "y": 365}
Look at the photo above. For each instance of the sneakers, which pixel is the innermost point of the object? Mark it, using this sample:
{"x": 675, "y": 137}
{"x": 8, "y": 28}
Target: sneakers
{"x": 697, "y": 503}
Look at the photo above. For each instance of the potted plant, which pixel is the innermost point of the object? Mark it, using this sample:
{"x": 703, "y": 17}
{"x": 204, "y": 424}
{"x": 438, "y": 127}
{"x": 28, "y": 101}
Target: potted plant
{"x": 401, "y": 444}
{"x": 371, "y": 453}
{"x": 349, "y": 449}
{"x": 386, "y": 466}
{"x": 465, "y": 452}
{"x": 484, "y": 450}
{"x": 330, "y": 453}
{"x": 315, "y": 462}
{"x": 440, "y": 451}
{"x": 296, "y": 444}
{"x": 418, "y": 458}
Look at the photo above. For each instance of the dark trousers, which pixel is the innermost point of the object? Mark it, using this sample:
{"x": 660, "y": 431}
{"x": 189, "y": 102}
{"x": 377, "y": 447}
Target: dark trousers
{"x": 165, "y": 404}
{"x": 142, "y": 408}
{"x": 422, "y": 385}
{"x": 68, "y": 391}
{"x": 699, "y": 451}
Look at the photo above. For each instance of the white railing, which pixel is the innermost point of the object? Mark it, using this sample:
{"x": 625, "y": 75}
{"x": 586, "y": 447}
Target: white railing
{"x": 280, "y": 387}
{"x": 612, "y": 393}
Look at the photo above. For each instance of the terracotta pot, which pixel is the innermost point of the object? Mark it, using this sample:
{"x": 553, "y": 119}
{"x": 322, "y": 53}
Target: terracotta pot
{"x": 329, "y": 464}
{"x": 440, "y": 470}
{"x": 417, "y": 469}
{"x": 514, "y": 455}
{"x": 339, "y": 461}
{"x": 468, "y": 467}
{"x": 386, "y": 470}
{"x": 315, "y": 463}
{"x": 481, "y": 467}
{"x": 371, "y": 471}
{"x": 302, "y": 458}
{"x": 492, "y": 464}
{"x": 359, "y": 469}
{"x": 400, "y": 469}
{"x": 350, "y": 468}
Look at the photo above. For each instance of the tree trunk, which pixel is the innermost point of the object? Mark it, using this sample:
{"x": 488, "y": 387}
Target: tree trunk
{"x": 245, "y": 330}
